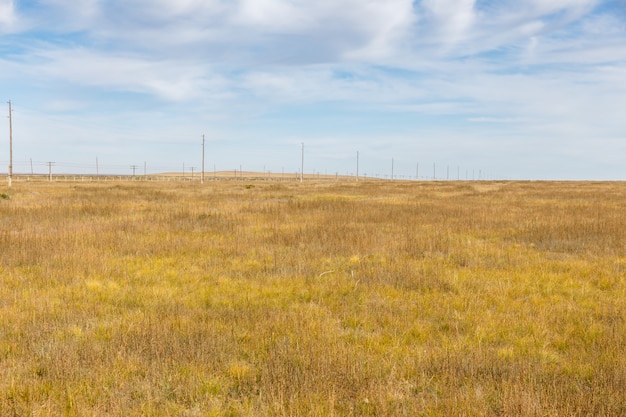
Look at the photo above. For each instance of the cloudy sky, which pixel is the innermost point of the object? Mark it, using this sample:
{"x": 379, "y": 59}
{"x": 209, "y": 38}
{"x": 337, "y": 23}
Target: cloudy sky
{"x": 503, "y": 89}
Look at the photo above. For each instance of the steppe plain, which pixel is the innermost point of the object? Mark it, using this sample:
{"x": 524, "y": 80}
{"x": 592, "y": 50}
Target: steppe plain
{"x": 322, "y": 298}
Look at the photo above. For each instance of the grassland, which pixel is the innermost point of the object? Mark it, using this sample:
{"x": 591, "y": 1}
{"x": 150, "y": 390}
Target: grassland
{"x": 317, "y": 299}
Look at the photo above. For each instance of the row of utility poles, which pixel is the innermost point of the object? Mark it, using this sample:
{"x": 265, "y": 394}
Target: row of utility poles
{"x": 134, "y": 167}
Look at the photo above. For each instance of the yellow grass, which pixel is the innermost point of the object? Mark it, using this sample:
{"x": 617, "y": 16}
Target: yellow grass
{"x": 318, "y": 299}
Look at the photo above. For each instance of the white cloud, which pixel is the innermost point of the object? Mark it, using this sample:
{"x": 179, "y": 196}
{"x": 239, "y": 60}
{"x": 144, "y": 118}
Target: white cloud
{"x": 285, "y": 31}
{"x": 61, "y": 16}
{"x": 604, "y": 24}
{"x": 573, "y": 7}
{"x": 275, "y": 15}
{"x": 388, "y": 27}
{"x": 167, "y": 80}
{"x": 453, "y": 18}
{"x": 7, "y": 15}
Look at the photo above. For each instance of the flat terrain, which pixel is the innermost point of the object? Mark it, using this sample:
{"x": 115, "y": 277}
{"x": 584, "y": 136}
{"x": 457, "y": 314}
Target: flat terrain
{"x": 318, "y": 299}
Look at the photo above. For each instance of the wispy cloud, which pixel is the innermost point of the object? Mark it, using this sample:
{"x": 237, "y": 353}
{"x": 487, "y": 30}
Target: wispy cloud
{"x": 7, "y": 15}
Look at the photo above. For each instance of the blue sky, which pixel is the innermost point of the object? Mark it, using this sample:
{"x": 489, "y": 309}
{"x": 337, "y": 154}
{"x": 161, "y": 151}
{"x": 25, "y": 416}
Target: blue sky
{"x": 510, "y": 89}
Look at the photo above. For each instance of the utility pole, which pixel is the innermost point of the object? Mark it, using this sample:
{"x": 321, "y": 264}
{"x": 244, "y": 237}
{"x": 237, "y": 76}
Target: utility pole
{"x": 31, "y": 167}
{"x": 202, "y": 176}
{"x": 133, "y": 167}
{"x": 192, "y": 168}
{"x": 50, "y": 170}
{"x": 10, "y": 177}
{"x": 302, "y": 165}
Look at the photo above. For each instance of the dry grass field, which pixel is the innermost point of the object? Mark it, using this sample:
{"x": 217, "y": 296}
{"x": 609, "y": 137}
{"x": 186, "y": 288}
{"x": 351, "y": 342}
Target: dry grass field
{"x": 318, "y": 299}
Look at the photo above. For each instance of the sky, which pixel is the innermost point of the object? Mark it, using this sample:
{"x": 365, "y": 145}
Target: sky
{"x": 445, "y": 89}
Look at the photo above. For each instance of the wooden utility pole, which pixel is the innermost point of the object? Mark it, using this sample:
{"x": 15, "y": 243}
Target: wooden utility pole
{"x": 202, "y": 176}
{"x": 10, "y": 177}
{"x": 50, "y": 170}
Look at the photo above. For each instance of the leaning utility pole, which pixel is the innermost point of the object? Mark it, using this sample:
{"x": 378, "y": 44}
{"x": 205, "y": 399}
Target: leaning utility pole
{"x": 10, "y": 177}
{"x": 202, "y": 176}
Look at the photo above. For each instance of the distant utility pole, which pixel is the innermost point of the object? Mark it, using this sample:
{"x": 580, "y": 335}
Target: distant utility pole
{"x": 302, "y": 165}
{"x": 31, "y": 167}
{"x": 133, "y": 167}
{"x": 10, "y": 177}
{"x": 50, "y": 170}
{"x": 192, "y": 168}
{"x": 202, "y": 175}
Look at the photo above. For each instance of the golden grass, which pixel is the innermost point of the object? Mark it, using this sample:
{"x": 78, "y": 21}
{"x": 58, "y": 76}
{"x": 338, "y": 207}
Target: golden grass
{"x": 317, "y": 299}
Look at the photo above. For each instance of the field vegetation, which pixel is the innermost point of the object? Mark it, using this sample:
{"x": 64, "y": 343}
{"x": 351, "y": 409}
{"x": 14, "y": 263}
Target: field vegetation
{"x": 263, "y": 298}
